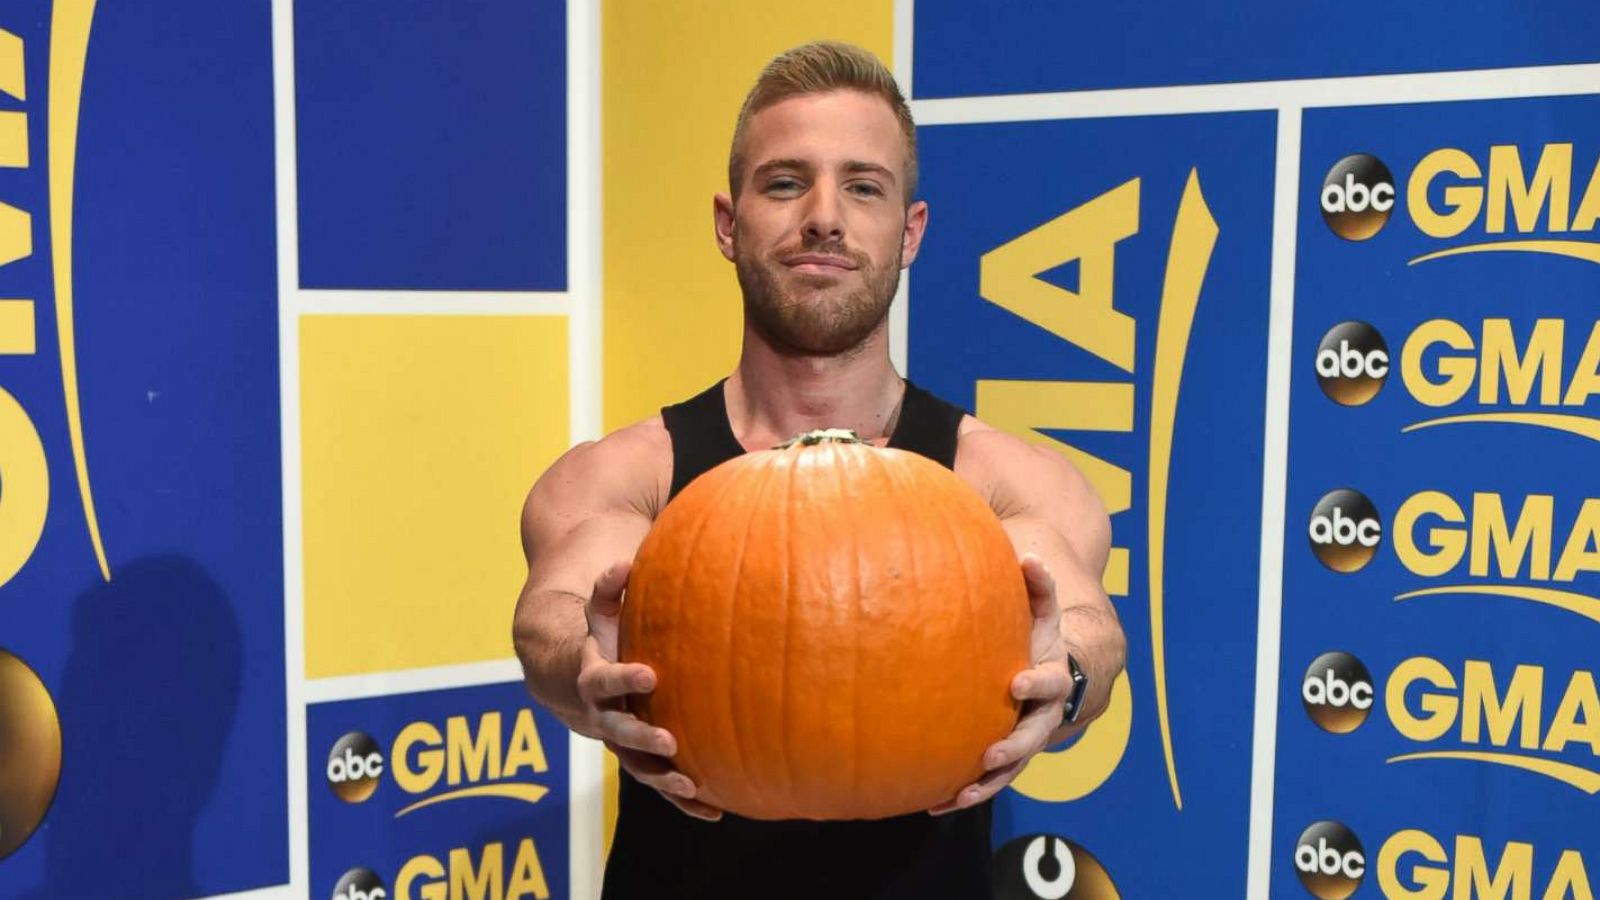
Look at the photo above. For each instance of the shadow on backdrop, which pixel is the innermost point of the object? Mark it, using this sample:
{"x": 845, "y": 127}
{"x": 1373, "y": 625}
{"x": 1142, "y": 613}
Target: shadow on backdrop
{"x": 147, "y": 700}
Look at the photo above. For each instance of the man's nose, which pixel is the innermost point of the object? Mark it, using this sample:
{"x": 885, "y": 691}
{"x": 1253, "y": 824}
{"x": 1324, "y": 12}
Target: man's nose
{"x": 824, "y": 215}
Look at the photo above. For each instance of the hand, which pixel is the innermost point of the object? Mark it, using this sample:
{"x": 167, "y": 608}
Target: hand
{"x": 604, "y": 685}
{"x": 1043, "y": 690}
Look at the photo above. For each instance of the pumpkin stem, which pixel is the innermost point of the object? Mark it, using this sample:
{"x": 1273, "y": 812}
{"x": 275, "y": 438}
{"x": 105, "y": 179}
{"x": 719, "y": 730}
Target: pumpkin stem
{"x": 837, "y": 435}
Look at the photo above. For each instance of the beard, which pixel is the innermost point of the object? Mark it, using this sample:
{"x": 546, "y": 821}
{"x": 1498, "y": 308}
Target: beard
{"x": 815, "y": 315}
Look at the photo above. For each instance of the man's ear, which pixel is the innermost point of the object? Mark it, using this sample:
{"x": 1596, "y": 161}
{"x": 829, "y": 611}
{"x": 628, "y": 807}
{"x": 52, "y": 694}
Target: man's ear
{"x": 911, "y": 238}
{"x": 722, "y": 216}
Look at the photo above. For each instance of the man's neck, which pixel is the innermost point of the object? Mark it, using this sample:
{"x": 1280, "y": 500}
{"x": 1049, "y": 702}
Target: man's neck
{"x": 773, "y": 396}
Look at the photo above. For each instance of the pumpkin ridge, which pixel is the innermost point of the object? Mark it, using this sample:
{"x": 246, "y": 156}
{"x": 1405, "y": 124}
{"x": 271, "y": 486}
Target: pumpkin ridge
{"x": 752, "y": 506}
{"x": 971, "y": 684}
{"x": 675, "y": 713}
{"x": 852, "y": 782}
{"x": 788, "y": 626}
{"x": 907, "y": 529}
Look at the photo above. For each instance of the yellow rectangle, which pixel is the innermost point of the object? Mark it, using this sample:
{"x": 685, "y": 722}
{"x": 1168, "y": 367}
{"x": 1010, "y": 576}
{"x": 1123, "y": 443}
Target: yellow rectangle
{"x": 13, "y": 140}
{"x": 17, "y": 331}
{"x": 420, "y": 436}
{"x": 673, "y": 76}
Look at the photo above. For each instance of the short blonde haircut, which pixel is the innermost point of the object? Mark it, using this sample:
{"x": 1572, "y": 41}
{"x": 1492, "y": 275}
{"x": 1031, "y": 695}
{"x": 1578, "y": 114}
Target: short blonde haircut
{"x": 817, "y": 68}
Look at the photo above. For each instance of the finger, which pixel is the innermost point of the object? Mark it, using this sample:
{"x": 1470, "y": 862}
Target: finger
{"x": 631, "y": 732}
{"x": 1050, "y": 681}
{"x": 653, "y": 771}
{"x": 1028, "y": 738}
{"x": 601, "y": 681}
{"x": 981, "y": 790}
{"x": 695, "y": 808}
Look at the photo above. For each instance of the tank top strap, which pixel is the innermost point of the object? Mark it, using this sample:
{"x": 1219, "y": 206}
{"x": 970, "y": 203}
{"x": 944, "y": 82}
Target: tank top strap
{"x": 701, "y": 436}
{"x": 928, "y": 426}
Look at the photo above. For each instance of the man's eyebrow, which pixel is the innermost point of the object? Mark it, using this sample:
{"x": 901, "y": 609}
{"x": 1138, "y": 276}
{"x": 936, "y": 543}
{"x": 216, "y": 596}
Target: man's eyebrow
{"x": 773, "y": 165}
{"x": 862, "y": 166}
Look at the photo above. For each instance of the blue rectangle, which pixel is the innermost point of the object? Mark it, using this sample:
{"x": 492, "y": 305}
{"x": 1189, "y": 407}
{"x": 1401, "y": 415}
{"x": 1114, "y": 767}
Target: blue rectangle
{"x": 1112, "y": 792}
{"x": 966, "y": 49}
{"x": 432, "y": 144}
{"x": 473, "y": 773}
{"x": 1433, "y": 441}
{"x": 166, "y": 667}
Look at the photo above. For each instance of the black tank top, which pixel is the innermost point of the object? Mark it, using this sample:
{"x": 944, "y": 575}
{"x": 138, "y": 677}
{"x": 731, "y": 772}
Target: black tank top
{"x": 661, "y": 854}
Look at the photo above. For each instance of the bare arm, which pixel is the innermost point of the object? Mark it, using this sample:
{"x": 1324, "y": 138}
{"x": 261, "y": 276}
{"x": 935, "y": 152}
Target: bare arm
{"x": 582, "y": 524}
{"x": 1051, "y": 512}
{"x": 1062, "y": 538}
{"x": 589, "y": 511}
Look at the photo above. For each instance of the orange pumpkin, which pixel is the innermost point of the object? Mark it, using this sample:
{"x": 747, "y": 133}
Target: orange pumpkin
{"x": 834, "y": 628}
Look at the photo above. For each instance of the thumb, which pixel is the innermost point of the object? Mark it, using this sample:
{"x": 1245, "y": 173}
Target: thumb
{"x": 606, "y": 599}
{"x": 1041, "y": 586}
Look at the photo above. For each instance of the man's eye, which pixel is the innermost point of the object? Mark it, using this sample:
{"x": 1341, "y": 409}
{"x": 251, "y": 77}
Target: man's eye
{"x": 783, "y": 185}
{"x": 866, "y": 189}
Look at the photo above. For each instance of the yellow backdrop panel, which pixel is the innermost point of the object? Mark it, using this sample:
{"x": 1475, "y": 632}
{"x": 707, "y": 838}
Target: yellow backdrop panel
{"x": 675, "y": 73}
{"x": 420, "y": 437}
{"x": 674, "y": 76}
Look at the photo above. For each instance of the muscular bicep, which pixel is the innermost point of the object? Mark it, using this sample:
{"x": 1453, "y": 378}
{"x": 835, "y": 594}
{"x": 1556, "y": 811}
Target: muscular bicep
{"x": 591, "y": 509}
{"x": 1041, "y": 498}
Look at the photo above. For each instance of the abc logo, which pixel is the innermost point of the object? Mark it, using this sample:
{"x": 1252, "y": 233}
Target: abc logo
{"x": 1352, "y": 363}
{"x": 1047, "y": 867}
{"x": 1357, "y": 195}
{"x": 360, "y": 883}
{"x": 30, "y": 752}
{"x": 1337, "y": 692}
{"x": 1329, "y": 860}
{"x": 1345, "y": 530}
{"x": 355, "y": 764}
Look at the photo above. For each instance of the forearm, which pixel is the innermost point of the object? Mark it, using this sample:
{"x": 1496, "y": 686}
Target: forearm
{"x": 549, "y": 633}
{"x": 1094, "y": 638}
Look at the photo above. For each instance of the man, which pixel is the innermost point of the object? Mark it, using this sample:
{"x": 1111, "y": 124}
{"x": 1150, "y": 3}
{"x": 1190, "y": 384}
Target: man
{"x": 818, "y": 221}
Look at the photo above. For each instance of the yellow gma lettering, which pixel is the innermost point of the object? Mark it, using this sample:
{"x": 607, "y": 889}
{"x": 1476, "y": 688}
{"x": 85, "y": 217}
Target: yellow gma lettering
{"x": 460, "y": 876}
{"x": 1414, "y": 865}
{"x": 1088, "y": 318}
{"x": 1426, "y": 701}
{"x": 1434, "y": 534}
{"x": 1442, "y": 364}
{"x": 1502, "y": 194}
{"x": 472, "y": 760}
{"x": 23, "y": 467}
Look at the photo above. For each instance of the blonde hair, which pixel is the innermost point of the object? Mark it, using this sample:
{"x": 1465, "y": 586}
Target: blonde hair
{"x": 816, "y": 68}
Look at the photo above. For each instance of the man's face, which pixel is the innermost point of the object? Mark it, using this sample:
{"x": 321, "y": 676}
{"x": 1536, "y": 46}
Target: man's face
{"x": 821, "y": 228}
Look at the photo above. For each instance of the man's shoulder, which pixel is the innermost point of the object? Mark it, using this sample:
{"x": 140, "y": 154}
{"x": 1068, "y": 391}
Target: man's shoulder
{"x": 1007, "y": 469}
{"x": 630, "y": 467}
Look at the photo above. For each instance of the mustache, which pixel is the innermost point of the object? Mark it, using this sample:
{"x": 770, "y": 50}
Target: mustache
{"x": 830, "y": 248}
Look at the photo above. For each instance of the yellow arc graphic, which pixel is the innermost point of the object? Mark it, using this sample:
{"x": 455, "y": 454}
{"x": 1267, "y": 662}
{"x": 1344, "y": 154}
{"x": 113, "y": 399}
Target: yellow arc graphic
{"x": 527, "y": 793}
{"x": 69, "y": 49}
{"x": 1194, "y": 236}
{"x": 1575, "y": 249}
{"x": 1580, "y": 778}
{"x": 1579, "y": 425}
{"x": 1571, "y": 601}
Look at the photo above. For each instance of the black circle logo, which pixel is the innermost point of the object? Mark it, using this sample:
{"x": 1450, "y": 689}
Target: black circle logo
{"x": 1048, "y": 867}
{"x": 30, "y": 752}
{"x": 1329, "y": 860}
{"x": 355, "y": 765}
{"x": 1352, "y": 363}
{"x": 1345, "y": 530}
{"x": 1357, "y": 196}
{"x": 1337, "y": 692}
{"x": 360, "y": 883}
